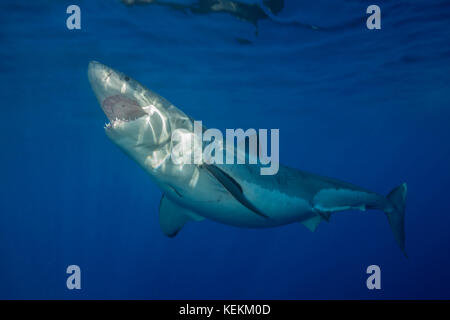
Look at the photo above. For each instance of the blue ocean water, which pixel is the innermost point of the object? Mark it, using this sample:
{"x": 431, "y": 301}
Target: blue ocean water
{"x": 371, "y": 107}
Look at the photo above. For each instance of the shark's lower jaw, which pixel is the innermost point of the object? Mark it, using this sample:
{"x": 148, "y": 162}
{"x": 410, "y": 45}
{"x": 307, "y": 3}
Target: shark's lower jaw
{"x": 140, "y": 132}
{"x": 122, "y": 124}
{"x": 116, "y": 123}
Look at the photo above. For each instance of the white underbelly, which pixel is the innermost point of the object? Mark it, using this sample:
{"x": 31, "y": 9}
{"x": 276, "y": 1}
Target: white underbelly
{"x": 212, "y": 201}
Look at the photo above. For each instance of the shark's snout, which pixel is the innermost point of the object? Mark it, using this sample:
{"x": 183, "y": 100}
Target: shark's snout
{"x": 114, "y": 93}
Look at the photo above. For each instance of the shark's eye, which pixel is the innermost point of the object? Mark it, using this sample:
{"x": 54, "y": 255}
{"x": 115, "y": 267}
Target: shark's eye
{"x": 127, "y": 78}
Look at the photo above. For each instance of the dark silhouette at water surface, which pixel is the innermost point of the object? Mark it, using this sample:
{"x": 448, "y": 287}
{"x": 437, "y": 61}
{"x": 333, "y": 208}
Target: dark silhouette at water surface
{"x": 250, "y": 12}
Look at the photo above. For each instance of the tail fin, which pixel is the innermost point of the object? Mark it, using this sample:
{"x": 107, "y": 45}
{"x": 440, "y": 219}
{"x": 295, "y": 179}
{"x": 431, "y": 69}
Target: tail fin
{"x": 396, "y": 217}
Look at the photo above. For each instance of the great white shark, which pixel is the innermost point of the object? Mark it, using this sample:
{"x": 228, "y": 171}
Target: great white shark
{"x": 142, "y": 123}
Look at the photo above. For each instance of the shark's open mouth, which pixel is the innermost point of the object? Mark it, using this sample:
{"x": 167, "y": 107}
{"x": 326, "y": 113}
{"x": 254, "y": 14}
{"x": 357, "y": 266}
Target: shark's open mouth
{"x": 119, "y": 107}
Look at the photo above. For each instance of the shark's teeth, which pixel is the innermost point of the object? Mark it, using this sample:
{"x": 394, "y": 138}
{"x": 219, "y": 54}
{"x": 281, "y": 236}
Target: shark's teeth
{"x": 118, "y": 121}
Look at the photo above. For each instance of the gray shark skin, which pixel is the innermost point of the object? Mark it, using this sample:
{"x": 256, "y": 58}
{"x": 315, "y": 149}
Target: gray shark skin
{"x": 142, "y": 123}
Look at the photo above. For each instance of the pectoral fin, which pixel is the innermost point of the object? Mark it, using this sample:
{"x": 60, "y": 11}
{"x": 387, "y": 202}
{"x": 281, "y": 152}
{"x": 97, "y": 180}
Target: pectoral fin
{"x": 312, "y": 223}
{"x": 233, "y": 187}
{"x": 172, "y": 217}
